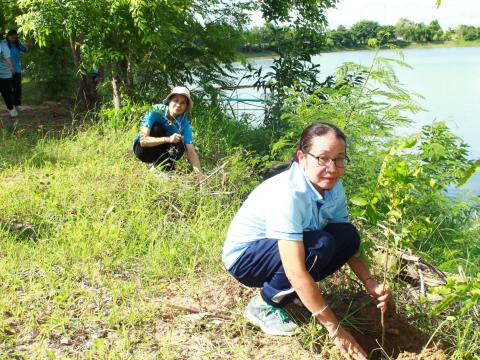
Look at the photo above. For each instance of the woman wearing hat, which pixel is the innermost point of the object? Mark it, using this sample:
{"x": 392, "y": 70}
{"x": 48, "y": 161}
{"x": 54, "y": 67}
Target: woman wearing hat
{"x": 165, "y": 132}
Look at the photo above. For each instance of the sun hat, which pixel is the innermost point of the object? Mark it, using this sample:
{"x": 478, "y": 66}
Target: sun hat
{"x": 181, "y": 90}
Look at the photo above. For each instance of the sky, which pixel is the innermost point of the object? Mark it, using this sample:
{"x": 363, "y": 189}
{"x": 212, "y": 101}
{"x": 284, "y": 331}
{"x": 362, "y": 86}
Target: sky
{"x": 450, "y": 13}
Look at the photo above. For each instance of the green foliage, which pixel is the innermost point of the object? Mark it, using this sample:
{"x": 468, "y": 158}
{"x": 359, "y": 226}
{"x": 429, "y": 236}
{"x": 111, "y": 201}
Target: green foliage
{"x": 464, "y": 293}
{"x": 468, "y": 32}
{"x": 364, "y": 30}
{"x": 8, "y": 14}
{"x": 125, "y": 44}
{"x": 51, "y": 70}
{"x": 398, "y": 183}
{"x": 361, "y": 34}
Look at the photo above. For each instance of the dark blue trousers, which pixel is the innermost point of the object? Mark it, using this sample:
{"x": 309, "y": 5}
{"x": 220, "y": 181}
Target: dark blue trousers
{"x": 326, "y": 251}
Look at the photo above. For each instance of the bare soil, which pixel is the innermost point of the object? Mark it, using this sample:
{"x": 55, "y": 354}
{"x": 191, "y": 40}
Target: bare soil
{"x": 48, "y": 116}
{"x": 213, "y": 310}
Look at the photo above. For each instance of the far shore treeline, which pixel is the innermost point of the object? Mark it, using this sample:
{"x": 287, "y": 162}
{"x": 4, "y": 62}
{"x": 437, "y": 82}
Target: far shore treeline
{"x": 405, "y": 33}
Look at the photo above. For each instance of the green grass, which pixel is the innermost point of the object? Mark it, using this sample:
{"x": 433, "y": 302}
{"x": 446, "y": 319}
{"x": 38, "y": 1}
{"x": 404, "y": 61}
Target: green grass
{"x": 94, "y": 248}
{"x": 87, "y": 233}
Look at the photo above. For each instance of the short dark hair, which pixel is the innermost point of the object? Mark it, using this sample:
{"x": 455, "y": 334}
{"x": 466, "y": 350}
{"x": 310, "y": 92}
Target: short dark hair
{"x": 314, "y": 130}
{"x": 16, "y": 43}
{"x": 305, "y": 143}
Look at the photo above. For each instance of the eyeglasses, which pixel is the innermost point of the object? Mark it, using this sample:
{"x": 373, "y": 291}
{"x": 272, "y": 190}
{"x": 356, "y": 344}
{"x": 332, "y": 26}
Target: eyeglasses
{"x": 339, "y": 162}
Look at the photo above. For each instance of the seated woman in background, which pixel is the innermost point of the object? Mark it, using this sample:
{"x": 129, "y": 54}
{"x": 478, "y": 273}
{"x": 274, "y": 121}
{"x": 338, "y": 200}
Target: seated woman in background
{"x": 293, "y": 231}
{"x": 165, "y": 133}
{"x": 16, "y": 48}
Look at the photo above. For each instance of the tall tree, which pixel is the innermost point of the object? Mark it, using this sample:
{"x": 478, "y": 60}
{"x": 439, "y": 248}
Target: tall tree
{"x": 136, "y": 42}
{"x": 436, "y": 30}
{"x": 364, "y": 30}
{"x": 8, "y": 12}
{"x": 404, "y": 29}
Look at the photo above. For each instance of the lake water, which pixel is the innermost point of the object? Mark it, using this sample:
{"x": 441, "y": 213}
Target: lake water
{"x": 448, "y": 78}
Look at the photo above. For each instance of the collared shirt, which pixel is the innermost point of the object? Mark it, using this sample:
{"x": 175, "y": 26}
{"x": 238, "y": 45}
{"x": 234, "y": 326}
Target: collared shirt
{"x": 283, "y": 207}
{"x": 5, "y": 72}
{"x": 159, "y": 113}
{"x": 15, "y": 53}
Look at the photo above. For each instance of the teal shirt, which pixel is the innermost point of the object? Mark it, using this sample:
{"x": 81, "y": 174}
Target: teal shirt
{"x": 15, "y": 53}
{"x": 158, "y": 113}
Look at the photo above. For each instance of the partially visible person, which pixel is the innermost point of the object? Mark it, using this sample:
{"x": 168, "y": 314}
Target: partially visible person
{"x": 165, "y": 133}
{"x": 6, "y": 73}
{"x": 16, "y": 48}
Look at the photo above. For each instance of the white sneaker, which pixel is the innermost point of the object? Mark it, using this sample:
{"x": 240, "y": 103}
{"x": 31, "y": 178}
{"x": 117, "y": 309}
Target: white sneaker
{"x": 13, "y": 113}
{"x": 19, "y": 108}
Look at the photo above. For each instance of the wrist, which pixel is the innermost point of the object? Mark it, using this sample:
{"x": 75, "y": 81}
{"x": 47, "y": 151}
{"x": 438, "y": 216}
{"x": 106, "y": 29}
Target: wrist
{"x": 331, "y": 326}
{"x": 334, "y": 332}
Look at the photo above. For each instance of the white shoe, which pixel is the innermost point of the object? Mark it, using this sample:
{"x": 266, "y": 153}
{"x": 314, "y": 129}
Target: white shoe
{"x": 19, "y": 108}
{"x": 13, "y": 113}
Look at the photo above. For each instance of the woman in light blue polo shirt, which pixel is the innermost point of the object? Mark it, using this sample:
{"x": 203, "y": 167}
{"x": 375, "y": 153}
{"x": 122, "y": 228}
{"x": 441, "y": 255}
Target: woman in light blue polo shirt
{"x": 293, "y": 231}
{"x": 6, "y": 72}
{"x": 165, "y": 133}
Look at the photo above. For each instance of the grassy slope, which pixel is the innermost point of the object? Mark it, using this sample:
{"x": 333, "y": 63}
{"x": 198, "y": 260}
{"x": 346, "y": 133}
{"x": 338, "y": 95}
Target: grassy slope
{"x": 95, "y": 250}
{"x": 79, "y": 218}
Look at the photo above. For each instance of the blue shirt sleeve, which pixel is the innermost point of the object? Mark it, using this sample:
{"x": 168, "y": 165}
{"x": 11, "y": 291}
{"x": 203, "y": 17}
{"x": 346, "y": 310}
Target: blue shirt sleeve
{"x": 23, "y": 48}
{"x": 148, "y": 119}
{"x": 187, "y": 133}
{"x": 340, "y": 211}
{"x": 4, "y": 50}
{"x": 284, "y": 217}
{"x": 154, "y": 114}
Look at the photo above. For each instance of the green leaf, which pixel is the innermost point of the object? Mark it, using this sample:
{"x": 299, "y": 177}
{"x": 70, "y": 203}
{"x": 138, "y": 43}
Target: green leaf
{"x": 408, "y": 144}
{"x": 442, "y": 305}
{"x": 469, "y": 173}
{"x": 359, "y": 201}
{"x": 395, "y": 214}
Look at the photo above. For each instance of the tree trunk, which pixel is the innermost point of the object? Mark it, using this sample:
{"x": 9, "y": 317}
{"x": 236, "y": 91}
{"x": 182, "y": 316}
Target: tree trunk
{"x": 87, "y": 96}
{"x": 116, "y": 91}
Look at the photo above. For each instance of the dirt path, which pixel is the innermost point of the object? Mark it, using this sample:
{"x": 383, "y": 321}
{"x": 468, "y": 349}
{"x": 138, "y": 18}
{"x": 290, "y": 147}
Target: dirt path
{"x": 48, "y": 116}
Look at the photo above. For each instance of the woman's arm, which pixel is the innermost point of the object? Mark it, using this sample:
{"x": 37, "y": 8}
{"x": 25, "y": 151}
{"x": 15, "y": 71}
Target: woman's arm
{"x": 10, "y": 64}
{"x": 193, "y": 158}
{"x": 149, "y": 141}
{"x": 380, "y": 292}
{"x": 292, "y": 254}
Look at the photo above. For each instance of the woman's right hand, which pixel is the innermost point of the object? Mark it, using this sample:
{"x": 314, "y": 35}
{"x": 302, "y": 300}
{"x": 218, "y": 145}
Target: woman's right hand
{"x": 348, "y": 346}
{"x": 175, "y": 138}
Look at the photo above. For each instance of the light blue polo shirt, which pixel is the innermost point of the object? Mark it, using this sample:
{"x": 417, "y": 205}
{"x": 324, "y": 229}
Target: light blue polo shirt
{"x": 15, "y": 53}
{"x": 5, "y": 72}
{"x": 158, "y": 113}
{"x": 283, "y": 207}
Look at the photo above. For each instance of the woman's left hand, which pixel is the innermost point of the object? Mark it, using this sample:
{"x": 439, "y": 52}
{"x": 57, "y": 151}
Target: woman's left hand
{"x": 379, "y": 292}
